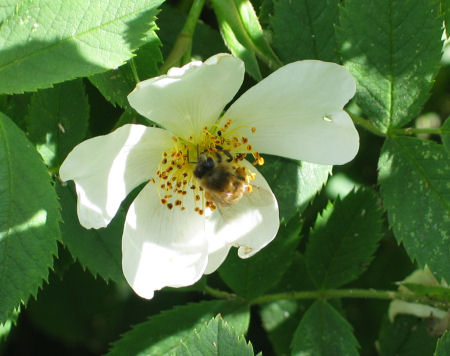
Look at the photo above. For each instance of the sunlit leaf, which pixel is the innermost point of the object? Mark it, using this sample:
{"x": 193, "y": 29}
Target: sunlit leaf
{"x": 393, "y": 62}
{"x": 161, "y": 334}
{"x": 116, "y": 84}
{"x": 50, "y": 41}
{"x": 414, "y": 176}
{"x": 443, "y": 345}
{"x": 215, "y": 338}
{"x": 29, "y": 217}
{"x": 58, "y": 120}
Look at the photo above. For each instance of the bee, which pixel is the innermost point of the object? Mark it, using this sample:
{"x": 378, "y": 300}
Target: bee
{"x": 224, "y": 184}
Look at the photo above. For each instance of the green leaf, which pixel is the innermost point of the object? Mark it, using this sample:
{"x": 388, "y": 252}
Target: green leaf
{"x": 393, "y": 62}
{"x": 443, "y": 345}
{"x": 323, "y": 331}
{"x": 50, "y": 41}
{"x": 343, "y": 239}
{"x": 407, "y": 336}
{"x": 29, "y": 216}
{"x": 414, "y": 176}
{"x": 252, "y": 277}
{"x": 445, "y": 11}
{"x": 131, "y": 117}
{"x": 446, "y": 134}
{"x": 16, "y": 108}
{"x": 8, "y": 7}
{"x": 280, "y": 319}
{"x": 75, "y": 308}
{"x": 161, "y": 334}
{"x": 99, "y": 251}
{"x": 206, "y": 42}
{"x": 294, "y": 183}
{"x": 57, "y": 120}
{"x": 5, "y": 327}
{"x": 304, "y": 29}
{"x": 236, "y": 47}
{"x": 243, "y": 34}
{"x": 216, "y": 338}
{"x": 116, "y": 84}
{"x": 437, "y": 293}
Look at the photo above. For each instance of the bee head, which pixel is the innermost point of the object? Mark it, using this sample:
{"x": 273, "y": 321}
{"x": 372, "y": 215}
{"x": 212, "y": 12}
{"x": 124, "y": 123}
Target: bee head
{"x": 203, "y": 166}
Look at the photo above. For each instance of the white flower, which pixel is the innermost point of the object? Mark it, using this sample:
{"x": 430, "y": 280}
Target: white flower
{"x": 173, "y": 234}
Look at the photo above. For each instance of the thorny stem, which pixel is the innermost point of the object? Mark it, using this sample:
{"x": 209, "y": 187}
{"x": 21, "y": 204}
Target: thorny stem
{"x": 336, "y": 293}
{"x": 183, "y": 44}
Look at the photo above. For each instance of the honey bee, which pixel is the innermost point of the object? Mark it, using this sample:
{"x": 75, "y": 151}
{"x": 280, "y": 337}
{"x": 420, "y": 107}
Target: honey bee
{"x": 224, "y": 184}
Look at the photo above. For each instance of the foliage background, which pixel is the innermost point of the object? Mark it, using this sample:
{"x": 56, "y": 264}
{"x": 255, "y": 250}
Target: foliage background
{"x": 367, "y": 226}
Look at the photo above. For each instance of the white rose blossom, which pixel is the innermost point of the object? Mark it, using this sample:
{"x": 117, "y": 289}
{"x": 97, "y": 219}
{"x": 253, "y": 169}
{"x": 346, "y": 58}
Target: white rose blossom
{"x": 173, "y": 233}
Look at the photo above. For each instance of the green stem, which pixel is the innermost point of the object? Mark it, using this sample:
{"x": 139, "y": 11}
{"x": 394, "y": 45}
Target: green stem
{"x": 335, "y": 293}
{"x": 366, "y": 124}
{"x": 183, "y": 44}
{"x": 134, "y": 70}
{"x": 413, "y": 131}
{"x": 352, "y": 293}
{"x": 221, "y": 294}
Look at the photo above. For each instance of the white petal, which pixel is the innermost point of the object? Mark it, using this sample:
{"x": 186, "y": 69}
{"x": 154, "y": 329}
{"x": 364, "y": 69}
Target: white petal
{"x": 297, "y": 113}
{"x": 250, "y": 224}
{"x": 189, "y": 98}
{"x": 162, "y": 247}
{"x": 216, "y": 258}
{"x": 106, "y": 168}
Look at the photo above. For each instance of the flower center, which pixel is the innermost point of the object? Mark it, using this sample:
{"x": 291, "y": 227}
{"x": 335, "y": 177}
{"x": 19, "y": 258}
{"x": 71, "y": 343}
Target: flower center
{"x": 209, "y": 167}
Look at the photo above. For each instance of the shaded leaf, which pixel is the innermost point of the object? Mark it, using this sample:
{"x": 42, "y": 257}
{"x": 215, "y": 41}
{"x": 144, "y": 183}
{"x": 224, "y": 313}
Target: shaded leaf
{"x": 29, "y": 216}
{"x": 393, "y": 63}
{"x": 50, "y": 41}
{"x": 322, "y": 332}
{"x": 304, "y": 29}
{"x": 99, "y": 251}
{"x": 252, "y": 277}
{"x": 161, "y": 334}
{"x": 206, "y": 42}
{"x": 57, "y": 120}
{"x": 407, "y": 336}
{"x": 414, "y": 176}
{"x": 344, "y": 239}
{"x": 294, "y": 183}
{"x": 280, "y": 319}
{"x": 446, "y": 135}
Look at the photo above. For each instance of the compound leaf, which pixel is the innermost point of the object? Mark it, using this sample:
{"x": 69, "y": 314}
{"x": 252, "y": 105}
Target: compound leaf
{"x": 393, "y": 63}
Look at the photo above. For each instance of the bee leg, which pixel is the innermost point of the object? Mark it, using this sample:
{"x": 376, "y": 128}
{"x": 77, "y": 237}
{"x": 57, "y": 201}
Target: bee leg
{"x": 227, "y": 153}
{"x": 219, "y": 157}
